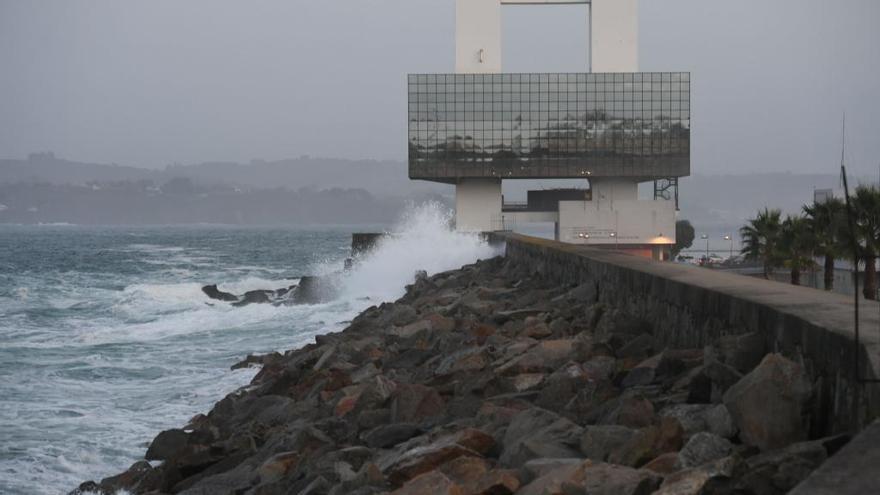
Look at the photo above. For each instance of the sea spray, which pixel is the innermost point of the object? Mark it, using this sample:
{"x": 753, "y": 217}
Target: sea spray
{"x": 422, "y": 240}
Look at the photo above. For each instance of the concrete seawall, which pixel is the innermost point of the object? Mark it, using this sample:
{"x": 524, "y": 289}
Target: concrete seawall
{"x": 691, "y": 307}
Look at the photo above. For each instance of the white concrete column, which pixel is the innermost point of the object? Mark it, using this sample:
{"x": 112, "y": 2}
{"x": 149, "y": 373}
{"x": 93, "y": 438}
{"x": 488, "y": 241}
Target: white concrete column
{"x": 607, "y": 190}
{"x": 478, "y": 205}
{"x": 614, "y": 34}
{"x": 477, "y": 36}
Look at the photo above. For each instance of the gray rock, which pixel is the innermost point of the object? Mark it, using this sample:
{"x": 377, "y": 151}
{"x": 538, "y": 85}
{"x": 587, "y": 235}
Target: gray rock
{"x": 390, "y": 435}
{"x": 768, "y": 404}
{"x": 166, "y": 444}
{"x": 719, "y": 422}
{"x": 536, "y": 468}
{"x": 537, "y": 433}
{"x": 610, "y": 479}
{"x": 778, "y": 471}
{"x": 702, "y": 448}
{"x": 711, "y": 382}
{"x": 598, "y": 441}
{"x": 691, "y": 416}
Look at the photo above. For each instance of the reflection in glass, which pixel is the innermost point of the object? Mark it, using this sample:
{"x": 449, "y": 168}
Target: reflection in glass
{"x": 543, "y": 125}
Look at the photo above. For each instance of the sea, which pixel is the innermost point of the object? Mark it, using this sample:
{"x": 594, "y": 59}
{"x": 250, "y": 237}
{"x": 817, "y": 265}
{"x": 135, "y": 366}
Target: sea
{"x": 106, "y": 337}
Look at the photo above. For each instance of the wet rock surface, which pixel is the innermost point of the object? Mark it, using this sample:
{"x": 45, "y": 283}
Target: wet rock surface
{"x": 493, "y": 380}
{"x": 309, "y": 290}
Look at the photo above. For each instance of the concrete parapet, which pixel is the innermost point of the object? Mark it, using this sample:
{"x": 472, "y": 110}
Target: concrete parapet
{"x": 691, "y": 307}
{"x": 852, "y": 471}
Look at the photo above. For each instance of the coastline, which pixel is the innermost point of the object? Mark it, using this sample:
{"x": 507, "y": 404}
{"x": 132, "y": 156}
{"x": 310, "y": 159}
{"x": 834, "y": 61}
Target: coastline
{"x": 492, "y": 379}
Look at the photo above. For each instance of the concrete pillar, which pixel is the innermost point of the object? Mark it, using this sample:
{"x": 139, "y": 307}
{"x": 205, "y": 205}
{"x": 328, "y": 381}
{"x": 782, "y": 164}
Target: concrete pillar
{"x": 478, "y": 205}
{"x": 614, "y": 36}
{"x": 606, "y": 190}
{"x": 477, "y": 36}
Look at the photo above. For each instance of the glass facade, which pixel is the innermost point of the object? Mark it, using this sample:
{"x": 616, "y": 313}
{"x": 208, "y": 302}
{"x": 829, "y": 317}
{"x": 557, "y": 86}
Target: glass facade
{"x": 549, "y": 125}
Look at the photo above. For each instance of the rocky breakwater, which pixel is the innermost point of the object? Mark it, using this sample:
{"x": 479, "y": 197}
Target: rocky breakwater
{"x": 493, "y": 380}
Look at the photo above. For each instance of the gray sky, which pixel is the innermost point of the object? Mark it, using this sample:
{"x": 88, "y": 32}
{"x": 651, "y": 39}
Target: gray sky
{"x": 155, "y": 82}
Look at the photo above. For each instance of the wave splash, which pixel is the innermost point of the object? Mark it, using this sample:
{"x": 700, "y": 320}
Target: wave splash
{"x": 423, "y": 240}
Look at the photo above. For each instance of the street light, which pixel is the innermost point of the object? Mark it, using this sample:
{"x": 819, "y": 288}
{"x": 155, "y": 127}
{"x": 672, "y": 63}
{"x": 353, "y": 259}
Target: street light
{"x": 705, "y": 236}
{"x": 728, "y": 237}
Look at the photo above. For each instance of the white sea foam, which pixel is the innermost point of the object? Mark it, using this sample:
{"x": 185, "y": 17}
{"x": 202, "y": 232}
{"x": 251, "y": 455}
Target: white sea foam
{"x": 422, "y": 240}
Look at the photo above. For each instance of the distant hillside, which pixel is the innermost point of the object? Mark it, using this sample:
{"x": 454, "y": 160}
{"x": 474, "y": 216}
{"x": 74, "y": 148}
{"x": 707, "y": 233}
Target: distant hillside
{"x": 181, "y": 202}
{"x": 382, "y": 178}
{"x": 713, "y": 203}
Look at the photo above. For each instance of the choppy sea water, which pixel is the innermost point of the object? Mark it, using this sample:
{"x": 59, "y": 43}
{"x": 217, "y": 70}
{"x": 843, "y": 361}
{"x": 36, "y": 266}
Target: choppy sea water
{"x": 106, "y": 338}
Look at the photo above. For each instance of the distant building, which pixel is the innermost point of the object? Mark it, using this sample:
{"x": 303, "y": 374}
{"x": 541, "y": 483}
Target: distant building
{"x": 822, "y": 195}
{"x": 615, "y": 126}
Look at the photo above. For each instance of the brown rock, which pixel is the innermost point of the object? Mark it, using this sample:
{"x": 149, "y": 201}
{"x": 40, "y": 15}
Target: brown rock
{"x": 474, "y": 439}
{"x": 418, "y": 460}
{"x": 472, "y": 359}
{"x": 535, "y": 328}
{"x": 441, "y": 323}
{"x": 277, "y": 466}
{"x": 767, "y": 404}
{"x": 482, "y": 331}
{"x": 608, "y": 479}
{"x": 648, "y": 443}
{"x": 433, "y": 482}
{"x": 466, "y": 471}
{"x": 346, "y": 404}
{"x": 413, "y": 402}
{"x": 664, "y": 463}
{"x": 498, "y": 482}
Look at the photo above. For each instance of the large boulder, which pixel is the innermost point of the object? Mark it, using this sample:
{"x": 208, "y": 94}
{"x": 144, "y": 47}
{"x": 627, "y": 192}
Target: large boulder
{"x": 780, "y": 470}
{"x": 648, "y": 443}
{"x": 702, "y": 448}
{"x": 407, "y": 463}
{"x": 768, "y": 404}
{"x": 598, "y": 441}
{"x": 385, "y": 436}
{"x": 609, "y": 479}
{"x": 167, "y": 444}
{"x": 414, "y": 403}
{"x": 537, "y": 433}
{"x": 699, "y": 480}
{"x": 635, "y": 412}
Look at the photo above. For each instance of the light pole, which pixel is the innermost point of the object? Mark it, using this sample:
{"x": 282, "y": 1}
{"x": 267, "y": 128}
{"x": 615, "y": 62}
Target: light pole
{"x": 728, "y": 237}
{"x": 704, "y": 236}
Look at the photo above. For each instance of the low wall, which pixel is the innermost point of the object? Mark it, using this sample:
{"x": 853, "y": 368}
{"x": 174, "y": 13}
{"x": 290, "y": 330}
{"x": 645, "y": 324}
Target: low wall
{"x": 691, "y": 307}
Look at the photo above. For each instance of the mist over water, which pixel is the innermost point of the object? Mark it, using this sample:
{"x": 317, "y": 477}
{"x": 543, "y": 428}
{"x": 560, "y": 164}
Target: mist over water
{"x": 106, "y": 338}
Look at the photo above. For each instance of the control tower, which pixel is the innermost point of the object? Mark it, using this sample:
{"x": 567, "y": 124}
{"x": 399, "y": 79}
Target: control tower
{"x": 612, "y": 125}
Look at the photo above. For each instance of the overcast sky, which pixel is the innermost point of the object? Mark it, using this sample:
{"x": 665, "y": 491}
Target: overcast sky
{"x": 150, "y": 83}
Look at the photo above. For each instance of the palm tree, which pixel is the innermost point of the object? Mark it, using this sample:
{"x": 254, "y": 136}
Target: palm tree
{"x": 826, "y": 219}
{"x": 760, "y": 239}
{"x": 866, "y": 207}
{"x": 796, "y": 246}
